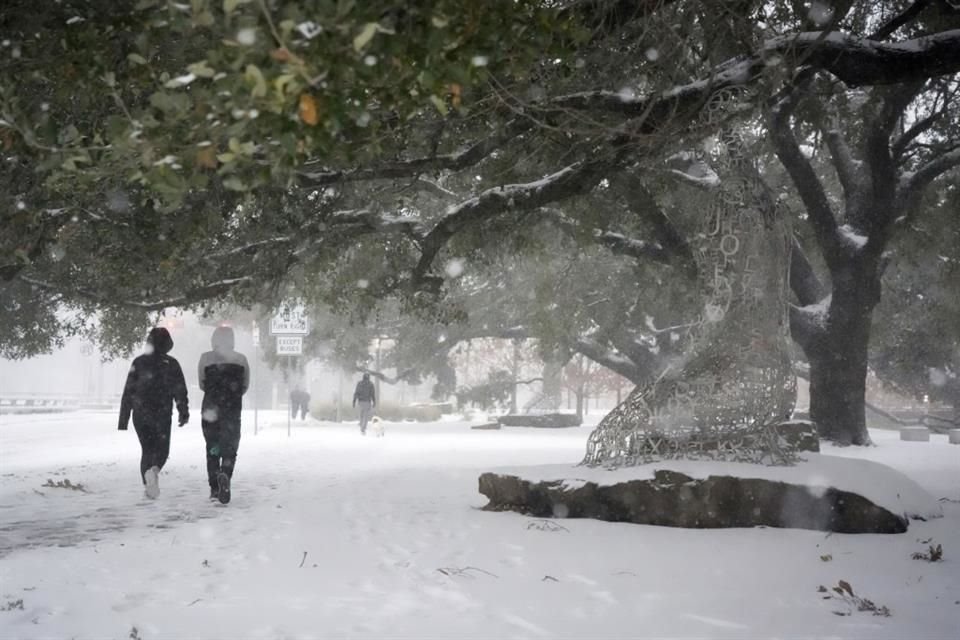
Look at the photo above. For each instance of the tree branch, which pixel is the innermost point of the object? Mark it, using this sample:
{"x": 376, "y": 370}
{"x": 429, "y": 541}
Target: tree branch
{"x": 846, "y": 165}
{"x": 608, "y": 16}
{"x": 414, "y": 167}
{"x": 192, "y": 295}
{"x": 620, "y": 364}
{"x": 803, "y": 279}
{"x": 805, "y": 180}
{"x": 899, "y": 20}
{"x": 642, "y": 203}
{"x": 912, "y": 184}
{"x": 856, "y": 61}
{"x": 860, "y": 62}
{"x": 620, "y": 244}
{"x": 707, "y": 182}
{"x": 575, "y": 179}
{"x": 402, "y": 376}
{"x": 806, "y": 326}
{"x": 918, "y": 128}
{"x": 617, "y": 243}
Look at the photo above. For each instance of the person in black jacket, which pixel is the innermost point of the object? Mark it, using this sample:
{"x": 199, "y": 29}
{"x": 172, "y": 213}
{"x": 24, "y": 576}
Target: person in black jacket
{"x": 154, "y": 384}
{"x": 366, "y": 395}
{"x": 224, "y": 377}
{"x": 299, "y": 401}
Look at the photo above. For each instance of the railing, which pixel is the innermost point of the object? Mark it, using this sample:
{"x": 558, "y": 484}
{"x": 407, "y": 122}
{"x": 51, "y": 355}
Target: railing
{"x": 40, "y": 402}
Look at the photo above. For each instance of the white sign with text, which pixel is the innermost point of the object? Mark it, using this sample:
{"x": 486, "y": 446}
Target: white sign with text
{"x": 289, "y": 345}
{"x": 290, "y": 320}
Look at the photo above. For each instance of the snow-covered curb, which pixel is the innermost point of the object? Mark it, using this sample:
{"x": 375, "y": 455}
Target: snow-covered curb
{"x": 876, "y": 482}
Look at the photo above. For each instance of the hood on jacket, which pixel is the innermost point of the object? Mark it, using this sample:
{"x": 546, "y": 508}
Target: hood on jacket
{"x": 222, "y": 339}
{"x": 159, "y": 338}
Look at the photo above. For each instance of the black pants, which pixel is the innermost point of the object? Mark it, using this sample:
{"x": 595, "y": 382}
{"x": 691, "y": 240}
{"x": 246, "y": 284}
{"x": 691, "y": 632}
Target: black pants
{"x": 301, "y": 406}
{"x": 222, "y": 439}
{"x": 154, "y": 445}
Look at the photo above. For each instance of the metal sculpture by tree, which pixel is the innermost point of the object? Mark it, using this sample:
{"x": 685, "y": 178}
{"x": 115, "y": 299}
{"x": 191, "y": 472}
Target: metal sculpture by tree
{"x": 723, "y": 399}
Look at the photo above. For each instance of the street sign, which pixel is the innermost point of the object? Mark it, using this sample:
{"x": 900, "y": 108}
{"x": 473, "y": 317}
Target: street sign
{"x": 291, "y": 320}
{"x": 289, "y": 345}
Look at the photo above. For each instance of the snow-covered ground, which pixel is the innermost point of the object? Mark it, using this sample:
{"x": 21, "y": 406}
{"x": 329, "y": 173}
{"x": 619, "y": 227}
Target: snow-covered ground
{"x": 332, "y": 535}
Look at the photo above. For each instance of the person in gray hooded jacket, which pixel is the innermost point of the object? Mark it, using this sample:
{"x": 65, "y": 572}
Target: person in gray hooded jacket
{"x": 224, "y": 377}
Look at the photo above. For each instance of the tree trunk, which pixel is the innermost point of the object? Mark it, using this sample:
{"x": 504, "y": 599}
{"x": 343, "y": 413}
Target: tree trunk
{"x": 837, "y": 390}
{"x": 552, "y": 380}
{"x": 515, "y": 372}
{"x": 838, "y": 357}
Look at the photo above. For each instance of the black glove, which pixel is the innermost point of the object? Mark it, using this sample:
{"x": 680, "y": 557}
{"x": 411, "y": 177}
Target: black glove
{"x": 184, "y": 418}
{"x": 122, "y": 426}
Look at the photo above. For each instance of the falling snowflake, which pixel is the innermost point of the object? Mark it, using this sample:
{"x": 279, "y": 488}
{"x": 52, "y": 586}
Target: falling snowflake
{"x": 937, "y": 377}
{"x": 363, "y": 284}
{"x": 180, "y": 81}
{"x": 309, "y": 29}
{"x": 247, "y": 36}
{"x": 370, "y": 61}
{"x": 817, "y": 485}
{"x": 714, "y": 313}
{"x": 454, "y": 267}
{"x": 210, "y": 415}
{"x": 479, "y": 61}
{"x": 652, "y": 54}
{"x": 820, "y": 13}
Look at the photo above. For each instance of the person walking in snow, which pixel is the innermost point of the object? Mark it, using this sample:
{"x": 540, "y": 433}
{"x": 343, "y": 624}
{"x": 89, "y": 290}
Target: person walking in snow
{"x": 366, "y": 395}
{"x": 299, "y": 401}
{"x": 224, "y": 377}
{"x": 155, "y": 383}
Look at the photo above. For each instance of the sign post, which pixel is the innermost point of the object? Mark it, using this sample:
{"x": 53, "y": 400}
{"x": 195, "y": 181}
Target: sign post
{"x": 289, "y": 326}
{"x": 289, "y": 346}
{"x": 256, "y": 373}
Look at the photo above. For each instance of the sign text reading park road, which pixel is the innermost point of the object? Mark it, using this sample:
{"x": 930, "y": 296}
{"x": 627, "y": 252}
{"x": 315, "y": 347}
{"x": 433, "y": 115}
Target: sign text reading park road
{"x": 290, "y": 321}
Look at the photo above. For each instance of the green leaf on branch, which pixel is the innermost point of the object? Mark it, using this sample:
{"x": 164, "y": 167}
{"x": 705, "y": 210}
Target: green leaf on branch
{"x": 201, "y": 69}
{"x": 233, "y": 183}
{"x": 365, "y": 36}
{"x": 255, "y": 77}
{"x": 440, "y": 104}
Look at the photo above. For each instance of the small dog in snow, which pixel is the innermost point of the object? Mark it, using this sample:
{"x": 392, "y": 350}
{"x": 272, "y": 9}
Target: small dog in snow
{"x": 378, "y": 427}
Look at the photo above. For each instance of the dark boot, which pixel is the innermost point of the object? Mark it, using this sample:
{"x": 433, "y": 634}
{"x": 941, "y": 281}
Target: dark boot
{"x": 223, "y": 488}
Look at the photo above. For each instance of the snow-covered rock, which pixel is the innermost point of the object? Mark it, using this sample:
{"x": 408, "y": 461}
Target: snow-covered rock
{"x": 822, "y": 492}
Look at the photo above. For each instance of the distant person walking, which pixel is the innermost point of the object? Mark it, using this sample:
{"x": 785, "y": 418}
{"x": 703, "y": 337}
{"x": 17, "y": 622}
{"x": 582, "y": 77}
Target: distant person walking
{"x": 224, "y": 377}
{"x": 154, "y": 384}
{"x": 299, "y": 401}
{"x": 366, "y": 395}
